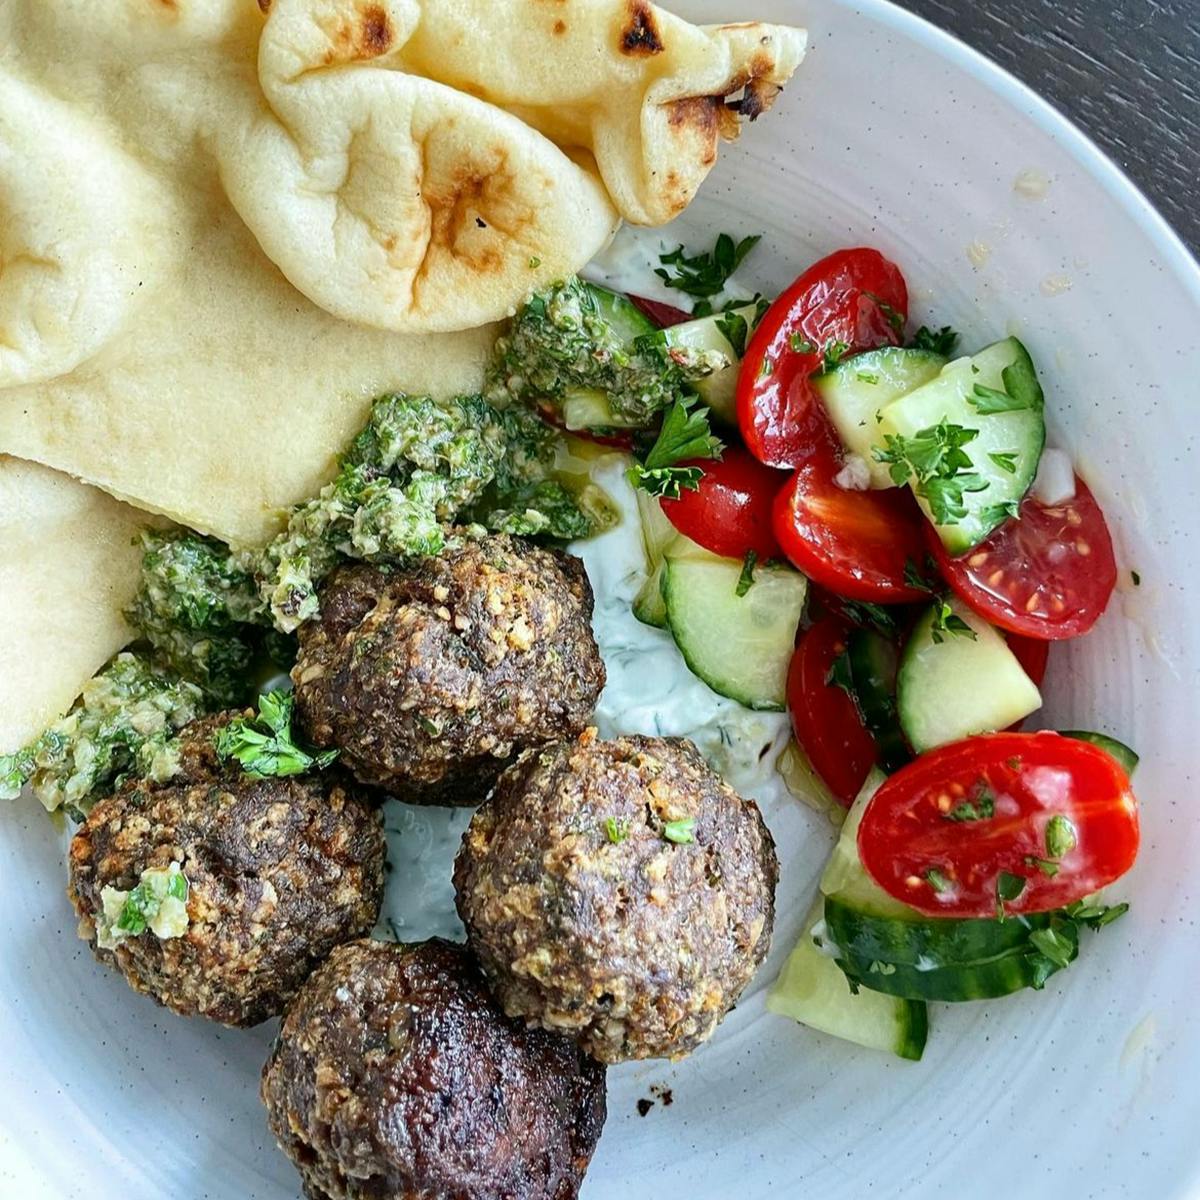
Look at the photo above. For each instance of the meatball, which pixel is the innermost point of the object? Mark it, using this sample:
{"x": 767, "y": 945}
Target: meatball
{"x": 396, "y": 1076}
{"x": 278, "y": 872}
{"x": 432, "y": 679}
{"x": 620, "y": 891}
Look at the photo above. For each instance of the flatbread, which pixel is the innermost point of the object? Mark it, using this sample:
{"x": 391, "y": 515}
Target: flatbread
{"x": 68, "y": 567}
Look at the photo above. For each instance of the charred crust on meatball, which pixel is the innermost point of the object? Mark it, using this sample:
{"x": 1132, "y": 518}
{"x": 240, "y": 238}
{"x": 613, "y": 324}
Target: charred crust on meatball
{"x": 395, "y": 1074}
{"x": 279, "y": 870}
{"x": 430, "y": 680}
{"x": 585, "y": 915}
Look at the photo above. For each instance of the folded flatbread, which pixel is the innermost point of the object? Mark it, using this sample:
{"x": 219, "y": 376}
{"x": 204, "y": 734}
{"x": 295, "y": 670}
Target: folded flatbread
{"x": 68, "y": 566}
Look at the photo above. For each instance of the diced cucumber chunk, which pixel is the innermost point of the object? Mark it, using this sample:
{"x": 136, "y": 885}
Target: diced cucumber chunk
{"x": 657, "y": 535}
{"x": 1127, "y": 757}
{"x": 858, "y": 390}
{"x": 648, "y": 605}
{"x": 959, "y": 685}
{"x": 627, "y": 320}
{"x": 844, "y": 870}
{"x": 715, "y": 333}
{"x": 814, "y": 990}
{"x": 873, "y": 673}
{"x": 739, "y": 645}
{"x": 589, "y": 408}
{"x": 930, "y": 958}
{"x": 1005, "y": 453}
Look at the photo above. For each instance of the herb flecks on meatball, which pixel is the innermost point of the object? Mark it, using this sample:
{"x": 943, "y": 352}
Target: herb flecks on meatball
{"x": 216, "y": 893}
{"x": 430, "y": 680}
{"x": 620, "y": 891}
{"x": 396, "y": 1075}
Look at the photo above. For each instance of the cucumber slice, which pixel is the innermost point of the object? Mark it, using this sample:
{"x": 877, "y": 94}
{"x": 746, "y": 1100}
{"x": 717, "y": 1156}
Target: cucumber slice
{"x": 627, "y": 320}
{"x": 713, "y": 333}
{"x": 814, "y": 990}
{"x": 873, "y": 673}
{"x": 926, "y": 958}
{"x": 857, "y": 390}
{"x": 959, "y": 686}
{"x": 1127, "y": 757}
{"x": 739, "y": 645}
{"x": 657, "y": 535}
{"x": 1017, "y": 438}
{"x": 589, "y": 408}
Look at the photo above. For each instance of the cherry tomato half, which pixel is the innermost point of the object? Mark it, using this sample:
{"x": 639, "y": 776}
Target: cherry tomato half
{"x": 1048, "y": 574}
{"x": 663, "y": 315}
{"x": 1033, "y": 655}
{"x": 1055, "y": 814}
{"x": 856, "y": 297}
{"x": 857, "y": 544}
{"x": 730, "y": 513}
{"x": 824, "y": 718}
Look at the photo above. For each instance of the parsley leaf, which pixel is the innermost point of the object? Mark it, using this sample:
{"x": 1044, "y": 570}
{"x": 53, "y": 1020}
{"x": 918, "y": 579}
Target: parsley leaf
{"x": 997, "y": 514}
{"x": 1006, "y": 460}
{"x": 801, "y": 345}
{"x": 935, "y": 460}
{"x": 871, "y": 616}
{"x": 988, "y": 401}
{"x": 832, "y": 354}
{"x": 263, "y": 744}
{"x": 681, "y": 832}
{"x": 914, "y": 578}
{"x": 937, "y": 880}
{"x": 1059, "y": 948}
{"x": 866, "y": 377}
{"x": 1008, "y": 888}
{"x": 736, "y": 329}
{"x": 943, "y": 341}
{"x": 616, "y": 829}
{"x": 685, "y": 434}
{"x": 746, "y": 578}
{"x": 1045, "y": 865}
{"x": 894, "y": 318}
{"x": 982, "y": 808}
{"x": 1060, "y": 836}
{"x": 947, "y": 621}
{"x": 705, "y": 274}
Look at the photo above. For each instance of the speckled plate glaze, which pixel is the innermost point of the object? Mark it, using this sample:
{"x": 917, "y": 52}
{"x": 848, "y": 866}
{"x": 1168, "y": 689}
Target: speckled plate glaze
{"x": 895, "y": 135}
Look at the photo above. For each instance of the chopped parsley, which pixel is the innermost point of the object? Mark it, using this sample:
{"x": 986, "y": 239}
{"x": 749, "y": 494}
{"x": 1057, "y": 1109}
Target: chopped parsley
{"x": 947, "y": 622}
{"x": 832, "y": 354}
{"x": 801, "y": 345}
{"x": 866, "y": 377}
{"x": 158, "y": 902}
{"x": 1005, "y": 460}
{"x": 685, "y": 434}
{"x": 982, "y": 808}
{"x": 736, "y": 329}
{"x": 1136, "y": 578}
{"x": 937, "y": 880}
{"x": 1008, "y": 888}
{"x": 263, "y": 745}
{"x": 988, "y": 401}
{"x": 942, "y": 341}
{"x": 616, "y": 829}
{"x": 1047, "y": 866}
{"x": 705, "y": 275}
{"x": 941, "y": 470}
{"x": 746, "y": 578}
{"x": 915, "y": 578}
{"x": 1061, "y": 837}
{"x": 871, "y": 616}
{"x": 895, "y": 318}
{"x": 681, "y": 832}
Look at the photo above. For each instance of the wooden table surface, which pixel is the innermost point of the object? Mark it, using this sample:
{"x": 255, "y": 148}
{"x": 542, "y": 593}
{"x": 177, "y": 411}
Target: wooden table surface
{"x": 1126, "y": 71}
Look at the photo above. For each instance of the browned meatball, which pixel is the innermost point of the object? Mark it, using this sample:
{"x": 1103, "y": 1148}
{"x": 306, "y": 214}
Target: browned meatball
{"x": 279, "y": 871}
{"x": 396, "y": 1076}
{"x": 620, "y": 891}
{"x": 430, "y": 680}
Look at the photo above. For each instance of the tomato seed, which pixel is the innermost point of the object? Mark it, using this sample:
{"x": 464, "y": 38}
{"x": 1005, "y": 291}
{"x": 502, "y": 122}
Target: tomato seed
{"x": 1073, "y": 517}
{"x": 977, "y": 560}
{"x": 994, "y": 578}
{"x": 1031, "y": 603}
{"x": 1082, "y": 549}
{"x": 913, "y": 881}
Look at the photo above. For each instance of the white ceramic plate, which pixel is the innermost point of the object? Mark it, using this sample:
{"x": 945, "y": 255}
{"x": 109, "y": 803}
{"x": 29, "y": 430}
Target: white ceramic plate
{"x": 893, "y": 135}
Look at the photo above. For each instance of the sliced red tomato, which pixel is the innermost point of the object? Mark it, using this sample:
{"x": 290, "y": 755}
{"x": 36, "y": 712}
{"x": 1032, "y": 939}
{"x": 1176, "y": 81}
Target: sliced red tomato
{"x": 855, "y": 297}
{"x": 1034, "y": 820}
{"x": 730, "y": 513}
{"x": 1032, "y": 654}
{"x": 1047, "y": 574}
{"x": 824, "y": 718}
{"x": 663, "y": 315}
{"x": 856, "y": 544}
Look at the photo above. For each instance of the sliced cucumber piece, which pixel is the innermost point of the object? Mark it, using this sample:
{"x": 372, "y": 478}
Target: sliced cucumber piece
{"x": 814, "y": 990}
{"x": 657, "y": 535}
{"x": 844, "y": 868}
{"x": 927, "y": 958}
{"x": 1127, "y": 757}
{"x": 959, "y": 685}
{"x": 727, "y": 333}
{"x": 627, "y": 320}
{"x": 589, "y": 408}
{"x": 1005, "y": 440}
{"x": 739, "y": 645}
{"x": 856, "y": 391}
{"x": 873, "y": 673}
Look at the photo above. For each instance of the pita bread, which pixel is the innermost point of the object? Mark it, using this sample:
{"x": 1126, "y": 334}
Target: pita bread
{"x": 68, "y": 567}
{"x": 391, "y": 199}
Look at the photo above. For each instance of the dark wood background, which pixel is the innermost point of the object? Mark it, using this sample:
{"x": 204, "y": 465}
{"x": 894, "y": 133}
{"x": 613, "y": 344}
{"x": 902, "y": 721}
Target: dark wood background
{"x": 1126, "y": 71}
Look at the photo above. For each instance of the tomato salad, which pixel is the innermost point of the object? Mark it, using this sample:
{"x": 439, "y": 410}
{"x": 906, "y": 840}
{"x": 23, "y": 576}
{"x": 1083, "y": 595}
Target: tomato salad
{"x": 852, "y": 520}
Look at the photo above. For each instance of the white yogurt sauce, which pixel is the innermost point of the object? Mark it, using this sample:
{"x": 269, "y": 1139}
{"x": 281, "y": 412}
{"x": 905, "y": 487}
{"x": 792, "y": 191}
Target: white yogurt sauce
{"x": 650, "y": 691}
